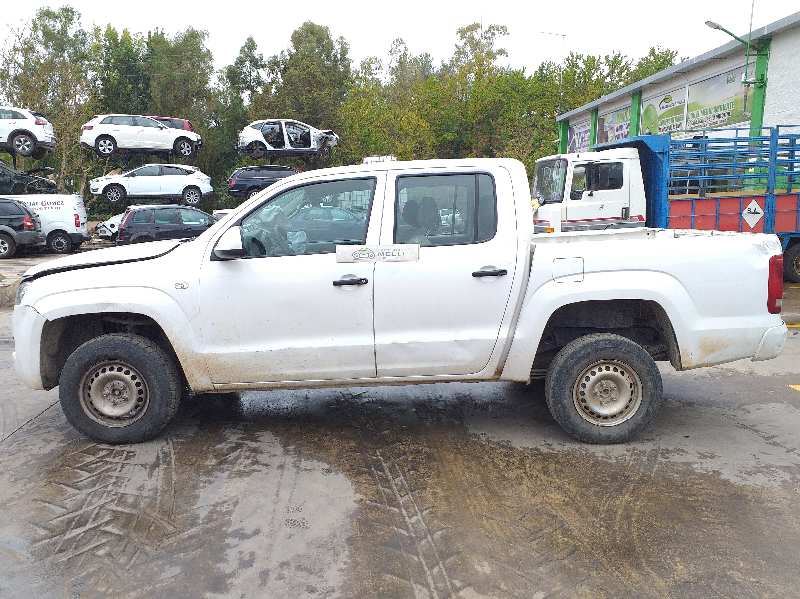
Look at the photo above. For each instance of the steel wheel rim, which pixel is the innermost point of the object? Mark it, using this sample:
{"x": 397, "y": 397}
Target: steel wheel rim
{"x": 192, "y": 197}
{"x": 105, "y": 146}
{"x": 23, "y": 144}
{"x": 607, "y": 393}
{"x": 114, "y": 394}
{"x": 3, "y": 247}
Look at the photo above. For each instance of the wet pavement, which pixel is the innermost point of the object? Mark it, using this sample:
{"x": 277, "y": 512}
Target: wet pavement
{"x": 410, "y": 492}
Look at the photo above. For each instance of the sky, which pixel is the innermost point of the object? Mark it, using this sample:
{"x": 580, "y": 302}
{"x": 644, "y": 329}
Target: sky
{"x": 538, "y": 31}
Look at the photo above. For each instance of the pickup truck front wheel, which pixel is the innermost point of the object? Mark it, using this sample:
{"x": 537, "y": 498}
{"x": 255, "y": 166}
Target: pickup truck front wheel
{"x": 119, "y": 388}
{"x": 603, "y": 388}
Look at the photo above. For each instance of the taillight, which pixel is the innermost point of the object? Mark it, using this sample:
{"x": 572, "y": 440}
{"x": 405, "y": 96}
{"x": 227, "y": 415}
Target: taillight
{"x": 775, "y": 285}
{"x": 87, "y": 127}
{"x": 27, "y": 223}
{"x": 39, "y": 121}
{"x": 231, "y": 182}
{"x": 77, "y": 220}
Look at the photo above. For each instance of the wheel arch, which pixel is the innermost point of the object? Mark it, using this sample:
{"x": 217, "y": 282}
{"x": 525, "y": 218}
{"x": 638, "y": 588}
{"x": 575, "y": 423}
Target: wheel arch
{"x": 73, "y": 318}
{"x": 20, "y": 130}
{"x": 662, "y": 294}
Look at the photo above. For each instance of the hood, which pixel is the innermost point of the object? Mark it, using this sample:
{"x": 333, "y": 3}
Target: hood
{"x": 104, "y": 257}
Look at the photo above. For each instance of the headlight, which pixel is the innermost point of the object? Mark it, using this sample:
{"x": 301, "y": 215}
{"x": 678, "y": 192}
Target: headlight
{"x": 21, "y": 290}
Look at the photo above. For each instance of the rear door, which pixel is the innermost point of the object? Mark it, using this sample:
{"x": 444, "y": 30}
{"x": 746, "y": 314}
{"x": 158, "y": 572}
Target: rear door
{"x": 173, "y": 179}
{"x": 598, "y": 192}
{"x": 167, "y": 224}
{"x": 441, "y": 314}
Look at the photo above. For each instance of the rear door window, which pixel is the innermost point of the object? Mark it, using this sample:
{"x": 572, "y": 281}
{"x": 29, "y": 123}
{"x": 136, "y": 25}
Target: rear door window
{"x": 173, "y": 170}
{"x": 167, "y": 216}
{"x": 456, "y": 209}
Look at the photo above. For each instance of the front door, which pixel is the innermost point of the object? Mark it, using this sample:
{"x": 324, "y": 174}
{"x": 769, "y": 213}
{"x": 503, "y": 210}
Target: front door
{"x": 441, "y": 314}
{"x": 144, "y": 181}
{"x": 598, "y": 192}
{"x": 288, "y": 311}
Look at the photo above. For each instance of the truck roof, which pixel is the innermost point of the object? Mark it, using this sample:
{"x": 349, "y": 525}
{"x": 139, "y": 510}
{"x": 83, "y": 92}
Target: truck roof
{"x": 418, "y": 164}
{"x": 604, "y": 154}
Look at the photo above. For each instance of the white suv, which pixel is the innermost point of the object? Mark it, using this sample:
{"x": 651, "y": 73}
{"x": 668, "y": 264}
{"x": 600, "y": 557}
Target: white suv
{"x": 25, "y": 133}
{"x": 107, "y": 133}
{"x": 181, "y": 181}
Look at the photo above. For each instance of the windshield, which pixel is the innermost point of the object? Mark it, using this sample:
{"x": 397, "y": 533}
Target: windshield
{"x": 548, "y": 180}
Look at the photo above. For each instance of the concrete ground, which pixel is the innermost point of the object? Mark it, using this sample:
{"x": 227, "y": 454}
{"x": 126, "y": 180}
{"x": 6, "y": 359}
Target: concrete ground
{"x": 420, "y": 492}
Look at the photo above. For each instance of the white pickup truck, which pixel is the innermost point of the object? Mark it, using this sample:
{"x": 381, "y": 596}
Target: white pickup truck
{"x": 395, "y": 273}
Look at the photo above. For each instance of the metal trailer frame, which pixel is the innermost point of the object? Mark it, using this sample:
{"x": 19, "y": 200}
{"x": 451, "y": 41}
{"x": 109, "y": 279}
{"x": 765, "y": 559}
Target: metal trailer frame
{"x": 705, "y": 179}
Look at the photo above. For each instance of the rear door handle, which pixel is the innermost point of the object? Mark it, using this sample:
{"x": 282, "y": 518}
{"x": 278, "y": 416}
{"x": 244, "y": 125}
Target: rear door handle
{"x": 490, "y": 271}
{"x": 350, "y": 280}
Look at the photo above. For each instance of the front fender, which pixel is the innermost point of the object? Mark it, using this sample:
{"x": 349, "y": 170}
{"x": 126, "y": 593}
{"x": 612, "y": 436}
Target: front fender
{"x": 147, "y": 301}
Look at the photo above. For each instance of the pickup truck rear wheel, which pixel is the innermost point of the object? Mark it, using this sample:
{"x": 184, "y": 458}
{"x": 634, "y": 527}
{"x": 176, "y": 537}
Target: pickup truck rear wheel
{"x": 791, "y": 263}
{"x": 120, "y": 388}
{"x": 603, "y": 388}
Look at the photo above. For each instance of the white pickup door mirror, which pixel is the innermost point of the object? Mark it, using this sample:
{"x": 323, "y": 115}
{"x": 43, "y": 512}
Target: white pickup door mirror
{"x": 229, "y": 246}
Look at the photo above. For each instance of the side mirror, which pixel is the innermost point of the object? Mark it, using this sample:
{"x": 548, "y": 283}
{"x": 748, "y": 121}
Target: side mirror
{"x": 229, "y": 246}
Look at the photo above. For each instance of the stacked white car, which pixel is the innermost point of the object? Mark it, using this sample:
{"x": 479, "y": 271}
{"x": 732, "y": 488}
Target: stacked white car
{"x": 284, "y": 137}
{"x": 165, "y": 181}
{"x": 109, "y": 133}
{"x": 25, "y": 133}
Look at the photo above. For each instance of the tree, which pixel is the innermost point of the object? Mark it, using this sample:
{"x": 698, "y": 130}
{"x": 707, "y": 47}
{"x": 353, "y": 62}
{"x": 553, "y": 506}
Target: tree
{"x": 122, "y": 75}
{"x": 308, "y": 81}
{"x": 54, "y": 47}
{"x": 657, "y": 59}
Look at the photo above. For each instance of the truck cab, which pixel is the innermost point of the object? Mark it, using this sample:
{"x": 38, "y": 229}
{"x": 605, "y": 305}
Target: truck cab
{"x": 589, "y": 190}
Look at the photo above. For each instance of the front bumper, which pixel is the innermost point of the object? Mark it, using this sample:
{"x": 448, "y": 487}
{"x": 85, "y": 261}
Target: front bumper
{"x": 772, "y": 343}
{"x": 30, "y": 238}
{"x": 27, "y": 329}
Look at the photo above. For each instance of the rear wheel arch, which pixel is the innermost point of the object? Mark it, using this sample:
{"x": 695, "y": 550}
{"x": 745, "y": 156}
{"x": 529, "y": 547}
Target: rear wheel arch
{"x": 644, "y": 322}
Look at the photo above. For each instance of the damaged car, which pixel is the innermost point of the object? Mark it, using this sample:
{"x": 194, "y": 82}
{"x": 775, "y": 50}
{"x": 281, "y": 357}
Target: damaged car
{"x": 16, "y": 182}
{"x": 284, "y": 137}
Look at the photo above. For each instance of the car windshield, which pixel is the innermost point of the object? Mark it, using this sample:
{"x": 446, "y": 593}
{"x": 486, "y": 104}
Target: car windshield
{"x": 548, "y": 180}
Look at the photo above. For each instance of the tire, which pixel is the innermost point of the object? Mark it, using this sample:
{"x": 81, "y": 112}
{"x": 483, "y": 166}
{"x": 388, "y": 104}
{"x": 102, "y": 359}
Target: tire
{"x": 252, "y": 192}
{"x": 105, "y": 146}
{"x": 192, "y": 195}
{"x": 623, "y": 384}
{"x": 111, "y": 373}
{"x": 114, "y": 193}
{"x": 59, "y": 242}
{"x": 8, "y": 246}
{"x": 183, "y": 147}
{"x": 23, "y": 144}
{"x": 791, "y": 263}
{"x": 257, "y": 150}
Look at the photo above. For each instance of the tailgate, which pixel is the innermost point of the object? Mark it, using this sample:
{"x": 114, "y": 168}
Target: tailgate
{"x": 80, "y": 210}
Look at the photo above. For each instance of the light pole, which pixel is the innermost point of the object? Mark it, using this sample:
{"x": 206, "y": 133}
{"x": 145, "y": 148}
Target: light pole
{"x": 718, "y": 27}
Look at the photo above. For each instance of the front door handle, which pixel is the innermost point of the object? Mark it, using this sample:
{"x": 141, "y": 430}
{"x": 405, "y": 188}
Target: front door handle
{"x": 350, "y": 280}
{"x": 490, "y": 271}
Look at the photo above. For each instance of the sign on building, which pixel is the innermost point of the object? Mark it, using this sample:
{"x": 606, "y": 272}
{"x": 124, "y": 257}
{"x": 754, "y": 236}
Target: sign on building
{"x": 613, "y": 125}
{"x": 719, "y": 101}
{"x": 578, "y": 137}
{"x": 663, "y": 113}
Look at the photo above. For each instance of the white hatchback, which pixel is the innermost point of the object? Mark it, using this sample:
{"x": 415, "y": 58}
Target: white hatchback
{"x": 173, "y": 181}
{"x": 108, "y": 133}
{"x": 25, "y": 133}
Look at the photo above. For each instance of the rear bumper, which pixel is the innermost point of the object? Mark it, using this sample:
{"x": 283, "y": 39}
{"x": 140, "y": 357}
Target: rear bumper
{"x": 772, "y": 343}
{"x": 30, "y": 238}
{"x": 27, "y": 327}
{"x": 77, "y": 238}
